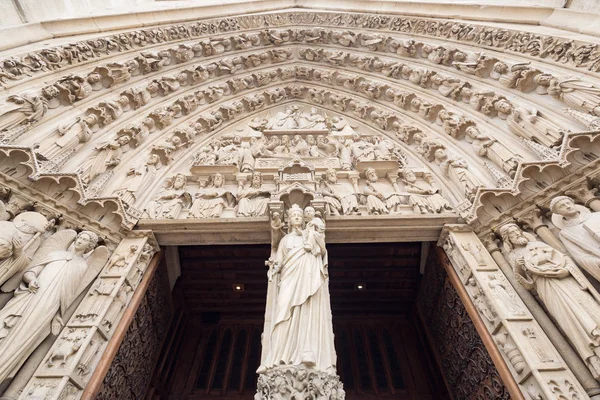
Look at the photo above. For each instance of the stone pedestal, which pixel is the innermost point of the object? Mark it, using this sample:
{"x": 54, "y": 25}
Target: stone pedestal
{"x": 288, "y": 382}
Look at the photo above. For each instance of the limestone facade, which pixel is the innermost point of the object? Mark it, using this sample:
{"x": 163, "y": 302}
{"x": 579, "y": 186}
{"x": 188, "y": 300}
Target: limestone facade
{"x": 119, "y": 134}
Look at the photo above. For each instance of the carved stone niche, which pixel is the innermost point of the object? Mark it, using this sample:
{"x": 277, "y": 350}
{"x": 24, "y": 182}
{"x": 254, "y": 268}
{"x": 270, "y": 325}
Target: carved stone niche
{"x": 293, "y": 382}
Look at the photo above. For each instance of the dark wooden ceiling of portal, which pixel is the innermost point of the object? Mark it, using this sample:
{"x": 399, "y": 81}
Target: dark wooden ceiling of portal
{"x": 390, "y": 272}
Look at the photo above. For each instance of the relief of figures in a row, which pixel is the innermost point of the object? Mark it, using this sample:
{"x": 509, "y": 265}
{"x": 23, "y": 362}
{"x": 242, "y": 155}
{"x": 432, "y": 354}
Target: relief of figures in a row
{"x": 344, "y": 194}
{"x": 486, "y": 146}
{"x": 573, "y": 92}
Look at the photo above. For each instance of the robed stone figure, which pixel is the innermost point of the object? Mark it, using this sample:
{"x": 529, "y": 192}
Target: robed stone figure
{"x": 563, "y": 289}
{"x": 298, "y": 328}
{"x": 62, "y": 267}
{"x": 579, "y": 232}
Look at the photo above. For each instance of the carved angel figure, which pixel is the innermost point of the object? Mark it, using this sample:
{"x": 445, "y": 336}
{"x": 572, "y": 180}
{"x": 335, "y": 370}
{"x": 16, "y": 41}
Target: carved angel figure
{"x": 561, "y": 287}
{"x": 64, "y": 265}
{"x": 211, "y": 200}
{"x": 23, "y": 109}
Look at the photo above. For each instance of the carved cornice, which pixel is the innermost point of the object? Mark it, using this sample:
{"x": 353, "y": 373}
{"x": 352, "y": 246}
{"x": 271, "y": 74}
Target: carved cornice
{"x": 30, "y": 161}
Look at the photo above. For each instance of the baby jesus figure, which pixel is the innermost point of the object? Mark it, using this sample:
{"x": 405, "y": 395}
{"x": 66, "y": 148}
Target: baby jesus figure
{"x": 314, "y": 232}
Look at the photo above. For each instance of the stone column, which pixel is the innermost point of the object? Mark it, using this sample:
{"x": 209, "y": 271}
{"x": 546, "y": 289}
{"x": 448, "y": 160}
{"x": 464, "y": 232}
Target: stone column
{"x": 585, "y": 195}
{"x": 591, "y": 386}
{"x": 535, "y": 364}
{"x": 533, "y": 220}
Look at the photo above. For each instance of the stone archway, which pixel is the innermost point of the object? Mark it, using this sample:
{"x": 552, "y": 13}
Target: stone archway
{"x": 428, "y": 125}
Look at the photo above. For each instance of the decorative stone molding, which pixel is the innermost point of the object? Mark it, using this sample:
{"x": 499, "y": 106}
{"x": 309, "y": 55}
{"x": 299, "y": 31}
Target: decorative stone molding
{"x": 296, "y": 382}
{"x": 77, "y": 351}
{"x": 531, "y": 358}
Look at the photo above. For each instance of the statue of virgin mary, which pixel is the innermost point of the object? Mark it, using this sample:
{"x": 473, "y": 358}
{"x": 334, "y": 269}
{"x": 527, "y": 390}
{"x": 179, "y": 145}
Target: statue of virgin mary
{"x": 298, "y": 327}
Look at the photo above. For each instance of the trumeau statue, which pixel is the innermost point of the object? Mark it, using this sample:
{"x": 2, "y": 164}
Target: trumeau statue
{"x": 300, "y": 332}
{"x": 63, "y": 266}
{"x": 579, "y": 232}
{"x": 561, "y": 287}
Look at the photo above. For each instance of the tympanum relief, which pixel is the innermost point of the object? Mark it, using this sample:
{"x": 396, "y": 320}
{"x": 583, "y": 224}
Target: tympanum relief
{"x": 307, "y": 151}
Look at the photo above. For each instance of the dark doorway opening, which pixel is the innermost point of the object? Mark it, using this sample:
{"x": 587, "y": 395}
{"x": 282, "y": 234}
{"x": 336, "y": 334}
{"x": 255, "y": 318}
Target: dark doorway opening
{"x": 214, "y": 347}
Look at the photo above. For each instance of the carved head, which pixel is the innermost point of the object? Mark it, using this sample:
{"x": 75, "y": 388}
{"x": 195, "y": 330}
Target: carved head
{"x": 309, "y": 214}
{"x": 6, "y": 247}
{"x": 123, "y": 140}
{"x": 295, "y": 216}
{"x": 440, "y": 155}
{"x": 321, "y": 140}
{"x": 543, "y": 79}
{"x": 310, "y": 139}
{"x": 409, "y": 175}
{"x": 179, "y": 181}
{"x": 218, "y": 180}
{"x": 331, "y": 175}
{"x": 371, "y": 175}
{"x": 285, "y": 140}
{"x": 512, "y": 236}
{"x": 563, "y": 205}
{"x": 501, "y": 67}
{"x": 86, "y": 241}
{"x": 256, "y": 180}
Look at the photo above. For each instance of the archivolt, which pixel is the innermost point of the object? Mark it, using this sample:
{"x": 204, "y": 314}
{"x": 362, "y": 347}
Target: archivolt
{"x": 373, "y": 77}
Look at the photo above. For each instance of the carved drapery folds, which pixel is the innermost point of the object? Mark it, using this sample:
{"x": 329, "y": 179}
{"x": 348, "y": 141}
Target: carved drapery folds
{"x": 525, "y": 348}
{"x": 362, "y": 114}
{"x": 295, "y": 150}
{"x": 170, "y": 71}
{"x": 298, "y": 355}
{"x": 65, "y": 283}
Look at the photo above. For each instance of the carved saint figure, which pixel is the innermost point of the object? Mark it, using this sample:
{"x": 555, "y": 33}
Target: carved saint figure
{"x": 572, "y": 91}
{"x": 340, "y": 197}
{"x": 71, "y": 135}
{"x": 138, "y": 180}
{"x": 529, "y": 124}
{"x": 579, "y": 232}
{"x": 211, "y": 200}
{"x": 381, "y": 199}
{"x": 64, "y": 265}
{"x": 458, "y": 171}
{"x": 300, "y": 331}
{"x": 561, "y": 287}
{"x": 252, "y": 201}
{"x": 107, "y": 155}
{"x": 423, "y": 198}
{"x": 169, "y": 203}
